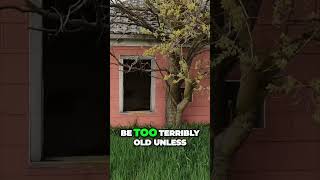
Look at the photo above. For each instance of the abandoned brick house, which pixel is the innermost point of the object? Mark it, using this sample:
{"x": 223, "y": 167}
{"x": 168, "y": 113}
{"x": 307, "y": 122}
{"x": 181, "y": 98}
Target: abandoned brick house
{"x": 284, "y": 146}
{"x": 138, "y": 98}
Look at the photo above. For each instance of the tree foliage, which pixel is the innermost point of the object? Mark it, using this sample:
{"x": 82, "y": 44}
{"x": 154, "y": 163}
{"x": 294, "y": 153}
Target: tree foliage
{"x": 180, "y": 27}
{"x": 182, "y": 30}
{"x": 263, "y": 72}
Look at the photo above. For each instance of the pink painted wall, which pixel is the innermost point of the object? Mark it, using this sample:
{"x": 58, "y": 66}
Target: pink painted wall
{"x": 198, "y": 110}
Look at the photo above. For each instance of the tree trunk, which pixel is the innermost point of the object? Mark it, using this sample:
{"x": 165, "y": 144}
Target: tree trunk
{"x": 250, "y": 95}
{"x": 187, "y": 94}
{"x": 172, "y": 98}
{"x": 226, "y": 144}
{"x": 176, "y": 104}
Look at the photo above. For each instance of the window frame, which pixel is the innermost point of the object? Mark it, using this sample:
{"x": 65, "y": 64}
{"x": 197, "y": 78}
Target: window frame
{"x": 36, "y": 119}
{"x": 152, "y": 83}
{"x": 35, "y": 89}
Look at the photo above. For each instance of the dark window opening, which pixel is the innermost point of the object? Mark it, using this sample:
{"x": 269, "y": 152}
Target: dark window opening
{"x": 218, "y": 15}
{"x": 75, "y": 90}
{"x": 136, "y": 85}
{"x": 231, "y": 91}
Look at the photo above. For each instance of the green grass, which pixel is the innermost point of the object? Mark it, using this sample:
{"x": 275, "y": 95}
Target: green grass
{"x": 156, "y": 163}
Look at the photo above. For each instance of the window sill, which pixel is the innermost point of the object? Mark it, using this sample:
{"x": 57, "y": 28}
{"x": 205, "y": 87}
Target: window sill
{"x": 76, "y": 162}
{"x": 136, "y": 112}
{"x": 67, "y": 166}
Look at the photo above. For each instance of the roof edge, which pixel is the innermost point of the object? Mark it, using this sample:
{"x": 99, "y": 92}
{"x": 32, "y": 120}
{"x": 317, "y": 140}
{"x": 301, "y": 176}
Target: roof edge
{"x": 132, "y": 37}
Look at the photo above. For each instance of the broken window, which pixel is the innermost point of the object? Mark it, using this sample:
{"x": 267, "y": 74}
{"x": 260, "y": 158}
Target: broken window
{"x": 137, "y": 82}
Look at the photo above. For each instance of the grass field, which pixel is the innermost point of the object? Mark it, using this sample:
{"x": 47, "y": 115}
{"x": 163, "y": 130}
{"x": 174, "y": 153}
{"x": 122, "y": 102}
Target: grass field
{"x": 156, "y": 163}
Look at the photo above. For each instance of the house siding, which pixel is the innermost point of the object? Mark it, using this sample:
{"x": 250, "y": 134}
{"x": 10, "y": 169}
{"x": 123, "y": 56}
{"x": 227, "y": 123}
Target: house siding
{"x": 14, "y": 109}
{"x": 288, "y": 147}
{"x": 198, "y": 110}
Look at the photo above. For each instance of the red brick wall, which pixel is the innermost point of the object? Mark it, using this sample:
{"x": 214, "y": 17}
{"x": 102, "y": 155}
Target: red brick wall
{"x": 14, "y": 116}
{"x": 198, "y": 110}
{"x": 288, "y": 148}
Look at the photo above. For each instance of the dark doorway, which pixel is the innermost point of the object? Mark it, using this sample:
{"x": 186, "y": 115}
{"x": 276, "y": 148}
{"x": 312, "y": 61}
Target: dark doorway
{"x": 76, "y": 90}
{"x": 136, "y": 86}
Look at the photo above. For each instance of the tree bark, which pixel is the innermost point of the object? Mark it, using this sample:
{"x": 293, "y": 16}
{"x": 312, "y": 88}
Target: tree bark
{"x": 226, "y": 144}
{"x": 176, "y": 104}
{"x": 180, "y": 108}
{"x": 250, "y": 95}
{"x": 172, "y": 98}
{"x": 187, "y": 94}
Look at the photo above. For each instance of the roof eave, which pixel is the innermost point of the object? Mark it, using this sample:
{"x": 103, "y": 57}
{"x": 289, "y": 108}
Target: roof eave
{"x": 114, "y": 36}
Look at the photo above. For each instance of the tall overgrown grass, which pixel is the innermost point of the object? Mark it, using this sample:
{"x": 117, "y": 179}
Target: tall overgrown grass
{"x": 156, "y": 163}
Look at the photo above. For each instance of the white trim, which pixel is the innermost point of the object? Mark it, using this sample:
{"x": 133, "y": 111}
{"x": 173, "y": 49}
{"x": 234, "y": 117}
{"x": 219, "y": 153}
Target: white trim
{"x": 152, "y": 84}
{"x": 35, "y": 89}
{"x": 132, "y": 42}
{"x": 119, "y": 37}
{"x": 137, "y": 40}
{"x": 121, "y": 86}
{"x": 264, "y": 107}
